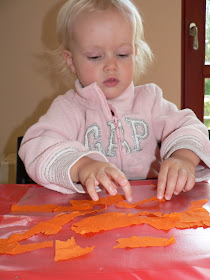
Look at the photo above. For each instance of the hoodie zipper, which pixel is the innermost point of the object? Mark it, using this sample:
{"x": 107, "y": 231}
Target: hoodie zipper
{"x": 115, "y": 118}
{"x": 117, "y": 129}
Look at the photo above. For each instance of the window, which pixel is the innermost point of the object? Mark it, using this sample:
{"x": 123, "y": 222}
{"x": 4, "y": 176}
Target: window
{"x": 207, "y": 63}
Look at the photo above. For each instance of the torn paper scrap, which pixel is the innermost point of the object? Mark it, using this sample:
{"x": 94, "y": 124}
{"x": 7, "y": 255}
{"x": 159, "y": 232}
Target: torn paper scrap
{"x": 146, "y": 241}
{"x": 65, "y": 250}
{"x": 77, "y": 205}
{"x": 195, "y": 216}
{"x": 88, "y": 204}
{"x": 125, "y": 204}
{"x": 15, "y": 248}
{"x": 50, "y": 227}
{"x": 112, "y": 220}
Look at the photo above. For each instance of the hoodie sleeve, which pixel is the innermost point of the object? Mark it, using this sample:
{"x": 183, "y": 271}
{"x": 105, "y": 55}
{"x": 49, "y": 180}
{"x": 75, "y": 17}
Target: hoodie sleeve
{"x": 50, "y": 148}
{"x": 180, "y": 129}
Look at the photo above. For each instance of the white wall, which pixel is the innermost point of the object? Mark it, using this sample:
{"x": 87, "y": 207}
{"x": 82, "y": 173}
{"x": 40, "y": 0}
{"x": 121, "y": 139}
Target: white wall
{"x": 27, "y": 87}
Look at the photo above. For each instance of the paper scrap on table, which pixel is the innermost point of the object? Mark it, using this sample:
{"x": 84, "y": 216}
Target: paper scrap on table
{"x": 108, "y": 221}
{"x": 107, "y": 200}
{"x": 50, "y": 227}
{"x": 77, "y": 205}
{"x": 195, "y": 216}
{"x": 65, "y": 250}
{"x": 33, "y": 208}
{"x": 15, "y": 248}
{"x": 145, "y": 241}
{"x": 125, "y": 204}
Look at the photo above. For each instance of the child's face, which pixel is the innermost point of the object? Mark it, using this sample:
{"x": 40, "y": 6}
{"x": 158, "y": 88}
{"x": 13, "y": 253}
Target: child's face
{"x": 102, "y": 50}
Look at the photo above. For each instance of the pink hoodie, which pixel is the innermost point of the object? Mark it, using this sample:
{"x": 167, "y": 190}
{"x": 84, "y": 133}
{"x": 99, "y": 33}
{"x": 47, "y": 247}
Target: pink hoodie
{"x": 125, "y": 131}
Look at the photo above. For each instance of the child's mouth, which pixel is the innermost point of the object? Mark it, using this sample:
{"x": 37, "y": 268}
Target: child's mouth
{"x": 111, "y": 82}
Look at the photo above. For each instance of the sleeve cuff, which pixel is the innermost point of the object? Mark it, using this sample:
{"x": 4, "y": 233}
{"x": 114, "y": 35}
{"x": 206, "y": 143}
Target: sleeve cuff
{"x": 56, "y": 171}
{"x": 202, "y": 172}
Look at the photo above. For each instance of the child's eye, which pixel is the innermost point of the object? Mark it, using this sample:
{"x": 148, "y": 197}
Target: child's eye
{"x": 97, "y": 57}
{"x": 123, "y": 55}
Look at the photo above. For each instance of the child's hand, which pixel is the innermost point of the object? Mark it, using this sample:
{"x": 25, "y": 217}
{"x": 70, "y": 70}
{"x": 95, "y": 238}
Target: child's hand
{"x": 91, "y": 173}
{"x": 177, "y": 174}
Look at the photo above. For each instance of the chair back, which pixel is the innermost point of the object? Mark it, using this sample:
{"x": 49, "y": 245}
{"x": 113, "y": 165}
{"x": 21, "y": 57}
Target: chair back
{"x": 21, "y": 174}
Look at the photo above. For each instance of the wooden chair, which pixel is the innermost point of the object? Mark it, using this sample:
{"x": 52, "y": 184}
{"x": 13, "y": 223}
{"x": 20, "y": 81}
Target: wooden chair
{"x": 21, "y": 174}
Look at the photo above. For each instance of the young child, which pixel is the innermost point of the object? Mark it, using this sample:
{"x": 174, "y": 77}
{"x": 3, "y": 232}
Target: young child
{"x": 106, "y": 131}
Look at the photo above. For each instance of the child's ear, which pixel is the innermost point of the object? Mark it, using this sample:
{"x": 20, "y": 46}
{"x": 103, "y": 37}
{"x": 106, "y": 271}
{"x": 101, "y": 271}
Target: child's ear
{"x": 69, "y": 60}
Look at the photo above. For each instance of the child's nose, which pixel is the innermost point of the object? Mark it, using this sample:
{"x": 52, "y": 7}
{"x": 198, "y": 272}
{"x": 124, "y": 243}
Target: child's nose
{"x": 111, "y": 65}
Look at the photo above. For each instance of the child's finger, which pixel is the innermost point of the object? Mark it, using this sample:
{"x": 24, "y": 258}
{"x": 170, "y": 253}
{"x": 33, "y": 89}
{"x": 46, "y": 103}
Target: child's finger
{"x": 105, "y": 181}
{"x": 124, "y": 183}
{"x": 181, "y": 181}
{"x": 171, "y": 183}
{"x": 190, "y": 182}
{"x": 90, "y": 185}
{"x": 162, "y": 179}
{"x": 120, "y": 178}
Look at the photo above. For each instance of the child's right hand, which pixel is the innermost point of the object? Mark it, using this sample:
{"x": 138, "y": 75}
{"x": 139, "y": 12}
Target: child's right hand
{"x": 91, "y": 173}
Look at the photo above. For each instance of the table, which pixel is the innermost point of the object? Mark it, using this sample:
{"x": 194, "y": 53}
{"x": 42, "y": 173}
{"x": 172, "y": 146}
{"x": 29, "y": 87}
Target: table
{"x": 188, "y": 258}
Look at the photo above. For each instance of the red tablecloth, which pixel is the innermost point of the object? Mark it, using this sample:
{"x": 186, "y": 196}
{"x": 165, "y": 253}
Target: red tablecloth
{"x": 188, "y": 258}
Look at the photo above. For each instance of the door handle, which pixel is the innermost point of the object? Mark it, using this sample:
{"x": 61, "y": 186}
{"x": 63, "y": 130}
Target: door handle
{"x": 193, "y": 31}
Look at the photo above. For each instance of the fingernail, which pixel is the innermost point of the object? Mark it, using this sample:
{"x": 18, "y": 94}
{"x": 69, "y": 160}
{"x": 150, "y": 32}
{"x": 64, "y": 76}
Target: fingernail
{"x": 129, "y": 199}
{"x": 113, "y": 191}
{"x": 95, "y": 198}
{"x": 159, "y": 196}
{"x": 123, "y": 182}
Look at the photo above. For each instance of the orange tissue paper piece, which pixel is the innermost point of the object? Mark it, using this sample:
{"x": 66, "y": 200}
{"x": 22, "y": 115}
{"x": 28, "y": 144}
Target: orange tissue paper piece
{"x": 146, "y": 241}
{"x": 166, "y": 222}
{"x": 15, "y": 248}
{"x": 112, "y": 220}
{"x": 77, "y": 205}
{"x": 50, "y": 227}
{"x": 65, "y": 250}
{"x": 195, "y": 216}
{"x": 88, "y": 204}
{"x": 33, "y": 208}
{"x": 105, "y": 221}
{"x": 124, "y": 204}
{"x": 48, "y": 208}
{"x": 197, "y": 204}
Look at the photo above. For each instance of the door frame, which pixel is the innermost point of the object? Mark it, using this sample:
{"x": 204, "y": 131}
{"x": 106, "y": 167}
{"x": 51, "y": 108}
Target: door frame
{"x": 193, "y": 61}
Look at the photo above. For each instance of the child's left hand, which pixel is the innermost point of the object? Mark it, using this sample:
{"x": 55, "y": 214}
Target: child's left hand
{"x": 177, "y": 174}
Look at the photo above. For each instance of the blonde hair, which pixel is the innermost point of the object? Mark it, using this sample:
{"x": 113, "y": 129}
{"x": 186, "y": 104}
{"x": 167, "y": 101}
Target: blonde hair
{"x": 72, "y": 8}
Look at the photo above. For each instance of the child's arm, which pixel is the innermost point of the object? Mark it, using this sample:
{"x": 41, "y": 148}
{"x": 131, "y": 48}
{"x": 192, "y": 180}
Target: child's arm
{"x": 177, "y": 173}
{"x": 91, "y": 173}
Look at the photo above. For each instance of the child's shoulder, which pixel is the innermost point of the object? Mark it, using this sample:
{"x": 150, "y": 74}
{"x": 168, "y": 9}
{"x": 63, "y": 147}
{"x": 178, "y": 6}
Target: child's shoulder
{"x": 150, "y": 87}
{"x": 150, "y": 90}
{"x": 64, "y": 102}
{"x": 68, "y": 96}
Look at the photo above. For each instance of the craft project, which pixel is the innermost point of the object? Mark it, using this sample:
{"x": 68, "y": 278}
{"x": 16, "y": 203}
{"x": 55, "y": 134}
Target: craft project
{"x": 65, "y": 250}
{"x": 195, "y": 216}
{"x": 146, "y": 241}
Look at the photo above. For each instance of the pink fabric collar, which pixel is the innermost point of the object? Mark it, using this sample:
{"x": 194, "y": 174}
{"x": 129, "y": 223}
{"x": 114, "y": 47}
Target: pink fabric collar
{"x": 92, "y": 96}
